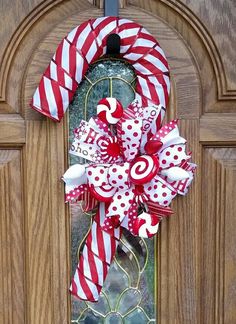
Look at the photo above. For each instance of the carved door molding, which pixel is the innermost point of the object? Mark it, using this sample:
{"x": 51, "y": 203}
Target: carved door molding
{"x": 196, "y": 246}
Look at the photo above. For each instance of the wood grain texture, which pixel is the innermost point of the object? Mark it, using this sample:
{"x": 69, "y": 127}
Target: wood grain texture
{"x": 100, "y": 3}
{"x": 12, "y": 246}
{"x": 216, "y": 95}
{"x": 26, "y": 38}
{"x": 219, "y": 17}
{"x": 60, "y": 222}
{"x": 218, "y": 237}
{"x": 192, "y": 91}
{"x": 179, "y": 249}
{"x": 38, "y": 225}
{"x": 196, "y": 259}
{"x": 12, "y": 14}
{"x": 12, "y": 129}
{"x": 218, "y": 128}
{"x": 47, "y": 224}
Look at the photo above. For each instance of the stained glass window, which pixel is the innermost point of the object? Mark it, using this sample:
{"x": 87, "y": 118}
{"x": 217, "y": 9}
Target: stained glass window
{"x": 129, "y": 292}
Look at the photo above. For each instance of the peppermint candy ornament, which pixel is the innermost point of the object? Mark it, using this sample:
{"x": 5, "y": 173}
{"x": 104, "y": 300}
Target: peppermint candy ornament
{"x": 109, "y": 110}
{"x": 110, "y": 149}
{"x": 146, "y": 225}
{"x": 143, "y": 169}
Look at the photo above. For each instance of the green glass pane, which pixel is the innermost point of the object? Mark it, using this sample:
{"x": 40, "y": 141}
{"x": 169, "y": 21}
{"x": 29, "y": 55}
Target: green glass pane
{"x": 116, "y": 282}
{"x": 138, "y": 316}
{"x": 128, "y": 295}
{"x": 113, "y": 318}
{"x": 111, "y": 68}
{"x": 129, "y": 300}
{"x": 98, "y": 91}
{"x": 123, "y": 93}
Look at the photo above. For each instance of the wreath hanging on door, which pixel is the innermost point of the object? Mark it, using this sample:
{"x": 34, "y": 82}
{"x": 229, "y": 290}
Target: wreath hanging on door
{"x": 136, "y": 167}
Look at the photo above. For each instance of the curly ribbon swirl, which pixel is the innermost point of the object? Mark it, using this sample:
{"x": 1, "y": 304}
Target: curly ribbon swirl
{"x": 143, "y": 169}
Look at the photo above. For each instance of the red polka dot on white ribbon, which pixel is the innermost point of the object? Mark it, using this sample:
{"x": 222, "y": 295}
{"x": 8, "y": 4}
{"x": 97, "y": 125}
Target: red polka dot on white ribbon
{"x": 172, "y": 156}
{"x": 158, "y": 190}
{"x": 131, "y": 133}
{"x": 118, "y": 175}
{"x": 97, "y": 175}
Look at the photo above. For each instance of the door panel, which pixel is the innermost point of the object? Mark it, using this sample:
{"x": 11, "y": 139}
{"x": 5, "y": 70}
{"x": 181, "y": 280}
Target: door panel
{"x": 196, "y": 246}
{"x": 12, "y": 283}
{"x": 218, "y": 221}
{"x": 221, "y": 30}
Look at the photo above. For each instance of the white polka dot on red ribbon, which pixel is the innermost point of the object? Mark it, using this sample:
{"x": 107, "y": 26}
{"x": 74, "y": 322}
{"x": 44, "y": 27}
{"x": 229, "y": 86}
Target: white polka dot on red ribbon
{"x": 165, "y": 130}
{"x": 73, "y": 194}
{"x": 110, "y": 223}
{"x": 101, "y": 126}
{"x": 132, "y": 216}
{"x": 136, "y": 108}
{"x": 121, "y": 203}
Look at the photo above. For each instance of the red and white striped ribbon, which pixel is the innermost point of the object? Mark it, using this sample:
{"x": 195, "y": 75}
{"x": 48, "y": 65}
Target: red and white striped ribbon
{"x": 83, "y": 46}
{"x": 98, "y": 253}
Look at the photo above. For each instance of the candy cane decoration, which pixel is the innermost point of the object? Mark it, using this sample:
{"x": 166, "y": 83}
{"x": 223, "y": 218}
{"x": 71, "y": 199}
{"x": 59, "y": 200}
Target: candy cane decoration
{"x": 140, "y": 165}
{"x": 87, "y": 43}
{"x": 98, "y": 253}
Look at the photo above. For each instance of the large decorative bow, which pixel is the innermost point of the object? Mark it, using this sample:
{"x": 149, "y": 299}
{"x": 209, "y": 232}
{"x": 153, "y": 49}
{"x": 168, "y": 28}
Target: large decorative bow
{"x": 133, "y": 167}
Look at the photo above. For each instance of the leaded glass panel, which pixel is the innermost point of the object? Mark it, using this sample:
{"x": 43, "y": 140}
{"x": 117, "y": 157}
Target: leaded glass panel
{"x": 129, "y": 292}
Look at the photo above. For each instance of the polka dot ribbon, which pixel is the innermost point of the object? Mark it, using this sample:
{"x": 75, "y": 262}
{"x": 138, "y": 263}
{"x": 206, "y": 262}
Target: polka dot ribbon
{"x": 137, "y": 167}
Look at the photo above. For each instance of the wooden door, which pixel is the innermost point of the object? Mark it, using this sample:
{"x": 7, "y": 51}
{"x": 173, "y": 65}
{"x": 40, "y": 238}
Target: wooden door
{"x": 197, "y": 245}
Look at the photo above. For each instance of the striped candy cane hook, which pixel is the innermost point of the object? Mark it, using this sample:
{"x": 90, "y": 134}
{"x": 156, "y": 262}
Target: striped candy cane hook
{"x": 87, "y": 43}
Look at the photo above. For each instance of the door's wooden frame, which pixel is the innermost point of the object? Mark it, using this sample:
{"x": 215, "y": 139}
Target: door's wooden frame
{"x": 44, "y": 219}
